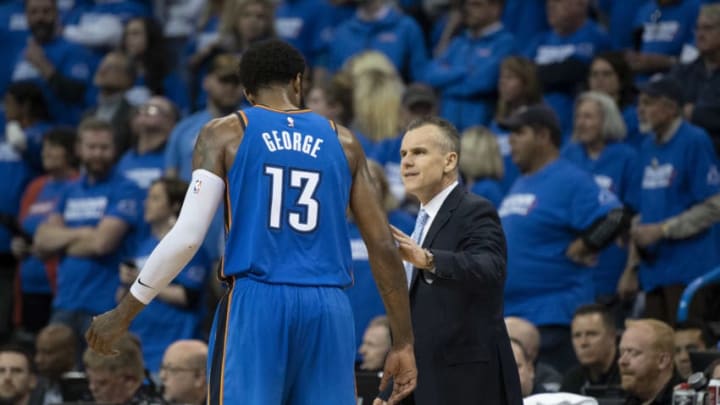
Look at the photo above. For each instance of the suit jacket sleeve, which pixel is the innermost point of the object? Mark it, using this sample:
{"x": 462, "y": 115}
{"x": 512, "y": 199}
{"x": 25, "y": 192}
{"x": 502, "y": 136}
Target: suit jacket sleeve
{"x": 480, "y": 256}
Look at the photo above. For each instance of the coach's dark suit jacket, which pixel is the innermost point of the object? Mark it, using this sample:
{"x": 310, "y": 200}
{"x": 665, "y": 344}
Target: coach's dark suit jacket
{"x": 462, "y": 349}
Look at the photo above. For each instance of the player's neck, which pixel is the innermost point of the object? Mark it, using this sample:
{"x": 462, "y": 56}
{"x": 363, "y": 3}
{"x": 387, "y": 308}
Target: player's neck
{"x": 277, "y": 100}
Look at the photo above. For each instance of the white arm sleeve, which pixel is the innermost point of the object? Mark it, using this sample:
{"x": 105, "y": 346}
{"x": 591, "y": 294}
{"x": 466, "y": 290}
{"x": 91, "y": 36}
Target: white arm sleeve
{"x": 182, "y": 242}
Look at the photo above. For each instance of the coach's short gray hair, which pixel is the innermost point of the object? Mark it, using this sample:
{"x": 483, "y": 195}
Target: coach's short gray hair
{"x": 613, "y": 124}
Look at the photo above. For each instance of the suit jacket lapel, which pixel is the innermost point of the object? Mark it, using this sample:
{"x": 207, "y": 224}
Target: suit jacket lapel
{"x": 443, "y": 215}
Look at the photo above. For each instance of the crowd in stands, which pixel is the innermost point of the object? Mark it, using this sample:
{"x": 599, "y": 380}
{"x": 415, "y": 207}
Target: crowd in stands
{"x": 572, "y": 113}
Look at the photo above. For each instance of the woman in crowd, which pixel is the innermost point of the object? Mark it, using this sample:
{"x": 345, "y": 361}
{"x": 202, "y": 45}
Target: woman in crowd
{"x": 597, "y": 146}
{"x": 37, "y": 269}
{"x": 610, "y": 74}
{"x": 241, "y": 23}
{"x": 176, "y": 313}
{"x": 518, "y": 87}
{"x": 481, "y": 164}
{"x": 143, "y": 41}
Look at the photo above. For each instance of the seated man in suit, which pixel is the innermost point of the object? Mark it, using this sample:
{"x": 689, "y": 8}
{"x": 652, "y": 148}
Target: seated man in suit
{"x": 455, "y": 265}
{"x": 376, "y": 344}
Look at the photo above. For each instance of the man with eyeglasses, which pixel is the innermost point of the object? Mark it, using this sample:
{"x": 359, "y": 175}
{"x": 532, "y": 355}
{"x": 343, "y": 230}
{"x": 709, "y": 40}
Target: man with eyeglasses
{"x": 152, "y": 124}
{"x": 183, "y": 372}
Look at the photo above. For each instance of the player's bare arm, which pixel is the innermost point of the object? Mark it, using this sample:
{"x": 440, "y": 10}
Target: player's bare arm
{"x": 386, "y": 267}
{"x": 217, "y": 144}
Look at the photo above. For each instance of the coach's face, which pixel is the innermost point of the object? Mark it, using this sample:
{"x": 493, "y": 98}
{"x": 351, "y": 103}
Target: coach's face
{"x": 426, "y": 162}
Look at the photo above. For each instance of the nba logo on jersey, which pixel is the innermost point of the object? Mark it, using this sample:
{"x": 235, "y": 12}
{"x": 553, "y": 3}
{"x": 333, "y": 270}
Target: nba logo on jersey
{"x": 291, "y": 122}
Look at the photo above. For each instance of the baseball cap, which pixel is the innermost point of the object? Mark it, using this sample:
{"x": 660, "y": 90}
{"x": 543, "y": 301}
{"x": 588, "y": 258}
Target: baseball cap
{"x": 225, "y": 65}
{"x": 534, "y": 115}
{"x": 664, "y": 87}
{"x": 418, "y": 93}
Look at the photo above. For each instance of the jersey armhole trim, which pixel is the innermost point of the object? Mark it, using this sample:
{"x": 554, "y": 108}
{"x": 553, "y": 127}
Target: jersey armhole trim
{"x": 242, "y": 118}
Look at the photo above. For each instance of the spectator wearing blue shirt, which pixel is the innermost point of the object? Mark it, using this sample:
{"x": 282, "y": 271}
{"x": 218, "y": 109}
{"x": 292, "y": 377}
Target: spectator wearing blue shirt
{"x": 16, "y": 172}
{"x": 596, "y": 147}
{"x": 563, "y": 54}
{"x": 143, "y": 41}
{"x": 556, "y": 219}
{"x": 38, "y": 274}
{"x": 304, "y": 24}
{"x": 90, "y": 227}
{"x": 518, "y": 87}
{"x": 701, "y": 78}
{"x": 145, "y": 161}
{"x": 99, "y": 24}
{"x": 242, "y": 23}
{"x": 177, "y": 311}
{"x": 113, "y": 79}
{"x": 610, "y": 74}
{"x": 378, "y": 25}
{"x": 28, "y": 119}
{"x": 224, "y": 96}
{"x": 481, "y": 164}
{"x": 667, "y": 27}
{"x": 620, "y": 16}
{"x": 680, "y": 171}
{"x": 62, "y": 69}
{"x": 466, "y": 73}
{"x": 525, "y": 19}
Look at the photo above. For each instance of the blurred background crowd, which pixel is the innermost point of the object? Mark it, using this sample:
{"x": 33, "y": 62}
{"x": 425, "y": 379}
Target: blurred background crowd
{"x": 103, "y": 101}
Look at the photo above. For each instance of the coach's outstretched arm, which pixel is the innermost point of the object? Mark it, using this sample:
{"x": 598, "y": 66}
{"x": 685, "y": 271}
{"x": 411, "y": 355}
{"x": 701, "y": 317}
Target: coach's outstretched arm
{"x": 176, "y": 249}
{"x": 386, "y": 267}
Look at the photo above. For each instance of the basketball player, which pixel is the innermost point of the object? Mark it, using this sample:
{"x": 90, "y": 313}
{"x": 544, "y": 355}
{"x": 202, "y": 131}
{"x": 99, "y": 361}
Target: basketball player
{"x": 283, "y": 334}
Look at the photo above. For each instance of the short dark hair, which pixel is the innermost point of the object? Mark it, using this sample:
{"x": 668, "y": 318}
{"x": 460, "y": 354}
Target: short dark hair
{"x": 607, "y": 317}
{"x": 452, "y": 137}
{"x": 175, "y": 190}
{"x": 705, "y": 333}
{"x": 268, "y": 63}
{"x": 65, "y": 138}
{"x": 30, "y": 94}
{"x": 21, "y": 350}
{"x": 95, "y": 124}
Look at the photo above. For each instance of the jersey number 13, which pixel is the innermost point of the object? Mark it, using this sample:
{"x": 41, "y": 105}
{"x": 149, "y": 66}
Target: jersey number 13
{"x": 306, "y": 182}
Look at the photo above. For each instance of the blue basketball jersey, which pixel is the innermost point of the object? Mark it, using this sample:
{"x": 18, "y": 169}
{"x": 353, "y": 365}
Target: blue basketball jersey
{"x": 287, "y": 193}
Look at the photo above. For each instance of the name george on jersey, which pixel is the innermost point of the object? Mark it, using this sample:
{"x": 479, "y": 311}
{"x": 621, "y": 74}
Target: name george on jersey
{"x": 294, "y": 141}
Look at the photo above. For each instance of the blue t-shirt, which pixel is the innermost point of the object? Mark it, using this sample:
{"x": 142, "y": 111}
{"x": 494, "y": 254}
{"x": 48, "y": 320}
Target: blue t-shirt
{"x": 581, "y": 45}
{"x": 511, "y": 171}
{"x": 667, "y": 28}
{"x": 16, "y": 174}
{"x": 287, "y": 192}
{"x": 489, "y": 189}
{"x": 466, "y": 74}
{"x": 89, "y": 283}
{"x": 621, "y": 15}
{"x": 304, "y": 24}
{"x": 72, "y": 61}
{"x": 33, "y": 274}
{"x": 675, "y": 176}
{"x": 142, "y": 169}
{"x": 387, "y": 153}
{"x": 161, "y": 323}
{"x": 615, "y": 170}
{"x": 542, "y": 215}
{"x": 363, "y": 295}
{"x": 180, "y": 146}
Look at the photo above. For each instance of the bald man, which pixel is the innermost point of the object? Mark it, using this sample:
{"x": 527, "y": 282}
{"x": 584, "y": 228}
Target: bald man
{"x": 547, "y": 379}
{"x": 55, "y": 354}
{"x": 183, "y": 372}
